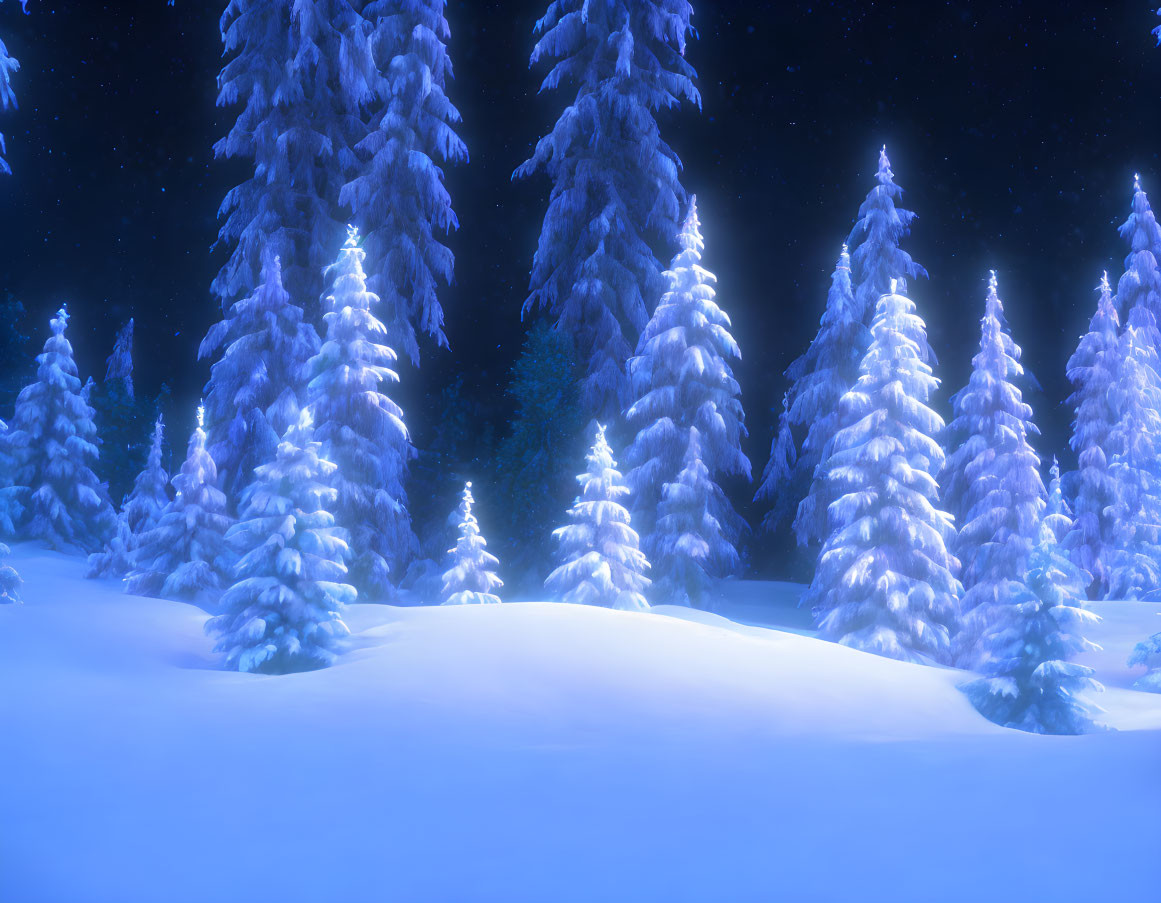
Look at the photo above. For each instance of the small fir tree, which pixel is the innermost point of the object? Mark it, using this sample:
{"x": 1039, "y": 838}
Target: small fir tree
{"x": 362, "y": 430}
{"x": 254, "y": 389}
{"x": 1092, "y": 370}
{"x": 1148, "y": 654}
{"x": 1030, "y": 682}
{"x": 284, "y": 610}
{"x": 10, "y": 581}
{"x": 683, "y": 383}
{"x": 185, "y": 557}
{"x": 1057, "y": 514}
{"x": 690, "y": 541}
{"x": 55, "y": 446}
{"x": 992, "y": 480}
{"x": 885, "y": 580}
{"x": 122, "y": 416}
{"x": 471, "y": 580}
{"x": 601, "y": 563}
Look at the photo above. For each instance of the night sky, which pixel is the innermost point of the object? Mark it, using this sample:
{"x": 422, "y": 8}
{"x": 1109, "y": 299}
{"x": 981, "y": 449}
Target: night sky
{"x": 1015, "y": 130}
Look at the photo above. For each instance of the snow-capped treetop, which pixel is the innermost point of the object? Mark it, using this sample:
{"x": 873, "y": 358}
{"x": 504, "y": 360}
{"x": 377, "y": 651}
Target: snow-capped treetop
{"x": 252, "y": 396}
{"x": 876, "y": 257}
{"x": 119, "y": 366}
{"x": 885, "y": 579}
{"x": 601, "y": 561}
{"x": 471, "y": 578}
{"x": 616, "y": 194}
{"x": 1141, "y": 281}
{"x": 1057, "y": 514}
{"x": 1092, "y": 370}
{"x": 283, "y": 611}
{"x": 398, "y": 193}
{"x": 682, "y": 381}
{"x": 361, "y": 429}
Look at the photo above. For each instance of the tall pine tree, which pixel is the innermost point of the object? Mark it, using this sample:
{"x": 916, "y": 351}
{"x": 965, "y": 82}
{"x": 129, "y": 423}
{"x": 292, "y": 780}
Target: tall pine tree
{"x": 1092, "y": 369}
{"x": 682, "y": 383}
{"x": 885, "y": 580}
{"x": 616, "y": 196}
{"x": 55, "y": 449}
{"x": 1140, "y": 284}
{"x": 992, "y": 483}
{"x": 362, "y": 430}
{"x": 601, "y": 563}
{"x": 398, "y": 193}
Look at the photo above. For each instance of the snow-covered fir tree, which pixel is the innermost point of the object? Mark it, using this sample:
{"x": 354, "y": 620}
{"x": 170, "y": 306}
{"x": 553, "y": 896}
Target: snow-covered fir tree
{"x": 876, "y": 257}
{"x": 1148, "y": 653}
{"x": 10, "y": 581}
{"x": 10, "y": 494}
{"x": 185, "y": 556}
{"x": 1092, "y": 369}
{"x": 147, "y": 502}
{"x": 818, "y": 380}
{"x": 8, "y": 67}
{"x": 1030, "y": 681}
{"x": 255, "y": 387}
{"x": 601, "y": 562}
{"x": 54, "y": 445}
{"x": 119, "y": 367}
{"x": 471, "y": 579}
{"x": 616, "y": 196}
{"x": 1057, "y": 514}
{"x": 362, "y": 430}
{"x": 284, "y": 610}
{"x": 781, "y": 469}
{"x": 885, "y": 579}
{"x": 1134, "y": 448}
{"x": 299, "y": 72}
{"x": 1140, "y": 284}
{"x": 991, "y": 480}
{"x": 682, "y": 382}
{"x": 141, "y": 513}
{"x": 398, "y": 194}
{"x": 690, "y": 542}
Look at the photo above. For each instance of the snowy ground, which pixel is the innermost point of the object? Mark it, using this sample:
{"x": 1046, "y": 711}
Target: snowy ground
{"x": 545, "y": 753}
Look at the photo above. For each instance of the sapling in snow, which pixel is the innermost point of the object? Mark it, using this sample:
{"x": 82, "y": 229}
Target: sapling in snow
{"x": 601, "y": 562}
{"x": 471, "y": 579}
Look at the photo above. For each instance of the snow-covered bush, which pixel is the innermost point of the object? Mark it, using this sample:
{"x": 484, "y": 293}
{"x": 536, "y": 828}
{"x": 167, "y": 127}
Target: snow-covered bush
{"x": 601, "y": 563}
{"x": 10, "y": 581}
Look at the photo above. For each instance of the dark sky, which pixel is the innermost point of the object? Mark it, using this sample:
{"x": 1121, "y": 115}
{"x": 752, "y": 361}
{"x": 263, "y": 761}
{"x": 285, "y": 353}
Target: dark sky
{"x": 1015, "y": 129}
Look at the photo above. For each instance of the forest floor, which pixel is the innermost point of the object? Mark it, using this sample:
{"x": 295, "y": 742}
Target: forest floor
{"x": 546, "y": 753}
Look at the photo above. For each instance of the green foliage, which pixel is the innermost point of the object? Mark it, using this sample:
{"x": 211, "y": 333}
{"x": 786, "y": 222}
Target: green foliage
{"x": 536, "y": 461}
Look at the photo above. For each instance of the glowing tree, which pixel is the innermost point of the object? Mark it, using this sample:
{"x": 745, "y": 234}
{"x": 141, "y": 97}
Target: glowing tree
{"x": 683, "y": 383}
{"x": 254, "y": 388}
{"x": 615, "y": 192}
{"x": 601, "y": 561}
{"x": 398, "y": 193}
{"x": 1092, "y": 370}
{"x": 283, "y": 611}
{"x": 885, "y": 580}
{"x": 361, "y": 429}
{"x": 471, "y": 580}
{"x": 1140, "y": 284}
{"x": 54, "y": 445}
{"x": 185, "y": 557}
{"x": 1025, "y": 654}
{"x": 992, "y": 483}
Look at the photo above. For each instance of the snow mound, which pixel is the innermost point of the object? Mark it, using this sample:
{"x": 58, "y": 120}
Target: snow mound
{"x": 538, "y": 751}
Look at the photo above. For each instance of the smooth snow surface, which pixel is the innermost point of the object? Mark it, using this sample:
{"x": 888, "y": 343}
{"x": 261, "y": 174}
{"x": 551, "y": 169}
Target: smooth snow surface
{"x": 546, "y": 753}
